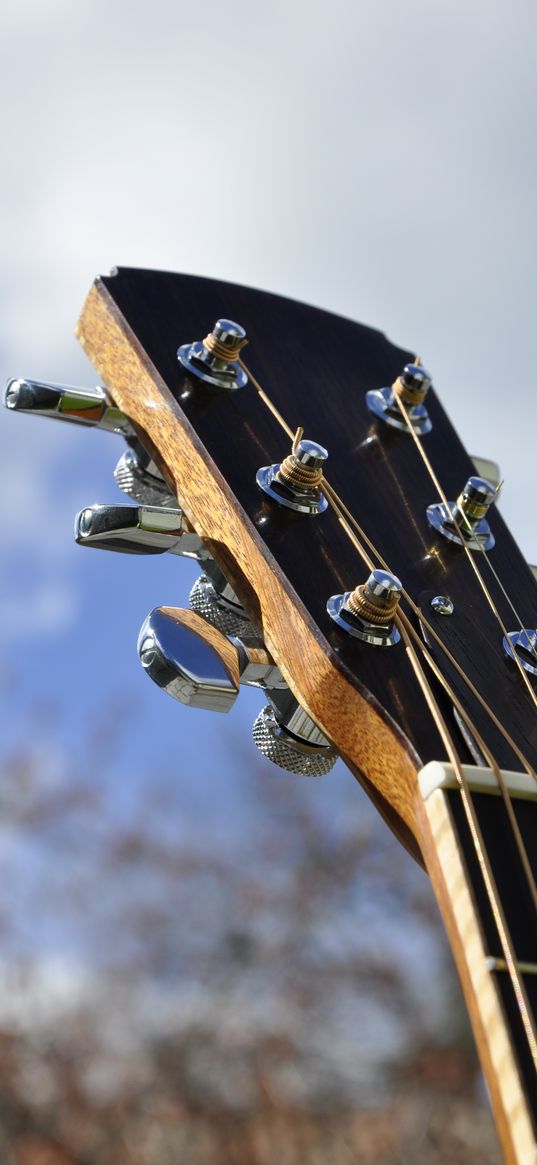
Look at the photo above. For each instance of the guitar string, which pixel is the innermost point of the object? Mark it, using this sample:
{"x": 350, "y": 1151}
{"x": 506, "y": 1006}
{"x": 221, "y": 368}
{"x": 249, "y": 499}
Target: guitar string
{"x": 488, "y": 755}
{"x": 467, "y": 551}
{"x": 332, "y": 495}
{"x": 434, "y": 634}
{"x": 477, "y": 838}
{"x": 506, "y": 941}
{"x": 506, "y": 797}
{"x": 532, "y": 649}
{"x": 487, "y": 875}
{"x": 504, "y": 792}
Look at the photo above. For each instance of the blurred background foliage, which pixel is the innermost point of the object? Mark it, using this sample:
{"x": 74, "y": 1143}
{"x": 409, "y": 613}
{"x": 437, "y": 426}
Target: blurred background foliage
{"x": 284, "y": 996}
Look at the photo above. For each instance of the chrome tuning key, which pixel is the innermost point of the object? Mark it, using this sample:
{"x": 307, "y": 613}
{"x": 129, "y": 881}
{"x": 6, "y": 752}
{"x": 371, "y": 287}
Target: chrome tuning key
{"x": 137, "y": 530}
{"x": 180, "y": 656}
{"x": 464, "y": 521}
{"x": 296, "y": 482}
{"x": 81, "y": 406}
{"x": 368, "y": 612}
{"x": 411, "y": 387}
{"x": 197, "y": 664}
{"x": 136, "y": 474}
{"x": 215, "y": 359}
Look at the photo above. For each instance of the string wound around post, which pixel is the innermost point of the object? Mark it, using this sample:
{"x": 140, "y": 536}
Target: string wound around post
{"x": 296, "y": 481}
{"x": 411, "y": 388}
{"x": 215, "y": 360}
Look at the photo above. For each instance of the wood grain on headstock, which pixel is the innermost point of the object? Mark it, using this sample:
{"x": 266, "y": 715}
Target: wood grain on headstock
{"x": 368, "y": 741}
{"x": 316, "y": 368}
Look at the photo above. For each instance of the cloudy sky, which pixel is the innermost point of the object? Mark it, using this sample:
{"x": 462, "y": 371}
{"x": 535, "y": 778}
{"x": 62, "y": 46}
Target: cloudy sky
{"x": 374, "y": 159}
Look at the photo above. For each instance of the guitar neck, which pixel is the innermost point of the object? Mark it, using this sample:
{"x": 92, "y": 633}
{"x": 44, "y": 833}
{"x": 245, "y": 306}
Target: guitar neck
{"x": 454, "y": 867}
{"x": 309, "y": 370}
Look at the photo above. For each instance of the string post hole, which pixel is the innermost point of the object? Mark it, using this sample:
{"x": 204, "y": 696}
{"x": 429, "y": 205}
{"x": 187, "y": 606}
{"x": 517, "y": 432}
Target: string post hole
{"x": 368, "y": 612}
{"x": 215, "y": 360}
{"x": 296, "y": 481}
{"x": 410, "y": 388}
{"x": 464, "y": 521}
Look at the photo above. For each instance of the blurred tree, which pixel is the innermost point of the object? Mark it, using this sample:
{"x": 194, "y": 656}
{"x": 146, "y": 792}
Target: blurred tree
{"x": 278, "y": 994}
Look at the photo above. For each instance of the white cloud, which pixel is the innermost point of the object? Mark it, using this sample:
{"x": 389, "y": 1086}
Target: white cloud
{"x": 373, "y": 159}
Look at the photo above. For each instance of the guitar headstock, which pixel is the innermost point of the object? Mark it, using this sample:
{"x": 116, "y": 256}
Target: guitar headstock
{"x": 284, "y": 576}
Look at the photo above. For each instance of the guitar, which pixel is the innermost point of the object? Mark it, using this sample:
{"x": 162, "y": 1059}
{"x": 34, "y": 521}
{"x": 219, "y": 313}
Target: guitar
{"x": 356, "y": 570}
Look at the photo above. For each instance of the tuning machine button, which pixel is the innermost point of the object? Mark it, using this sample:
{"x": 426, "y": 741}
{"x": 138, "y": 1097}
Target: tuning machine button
{"x": 197, "y": 664}
{"x": 136, "y": 474}
{"x": 464, "y": 521}
{"x": 137, "y": 530}
{"x": 190, "y": 660}
{"x": 296, "y": 482}
{"x": 411, "y": 387}
{"x": 368, "y": 612}
{"x": 81, "y": 406}
{"x": 215, "y": 359}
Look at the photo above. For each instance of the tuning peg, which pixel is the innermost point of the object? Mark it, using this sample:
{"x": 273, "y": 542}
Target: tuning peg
{"x": 215, "y": 359}
{"x": 198, "y": 665}
{"x": 189, "y": 659}
{"x": 136, "y": 474}
{"x": 368, "y": 612}
{"x": 411, "y": 387}
{"x": 137, "y": 530}
{"x": 296, "y": 482}
{"x": 81, "y": 406}
{"x": 464, "y": 521}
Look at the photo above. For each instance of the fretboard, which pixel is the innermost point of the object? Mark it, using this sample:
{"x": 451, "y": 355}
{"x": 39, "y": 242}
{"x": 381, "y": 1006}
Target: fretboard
{"x": 506, "y": 1052}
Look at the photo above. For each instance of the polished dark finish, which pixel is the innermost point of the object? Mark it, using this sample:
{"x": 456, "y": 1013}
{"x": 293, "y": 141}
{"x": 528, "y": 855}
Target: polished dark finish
{"x": 517, "y": 903}
{"x": 316, "y": 368}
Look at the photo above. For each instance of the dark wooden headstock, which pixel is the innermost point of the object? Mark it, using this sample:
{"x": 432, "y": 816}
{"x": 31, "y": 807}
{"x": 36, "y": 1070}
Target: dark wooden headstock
{"x": 316, "y": 368}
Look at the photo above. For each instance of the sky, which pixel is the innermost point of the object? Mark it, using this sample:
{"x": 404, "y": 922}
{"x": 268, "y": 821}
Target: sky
{"x": 377, "y": 160}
